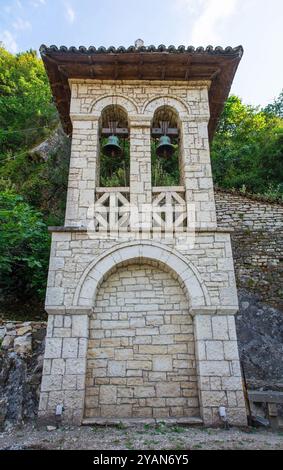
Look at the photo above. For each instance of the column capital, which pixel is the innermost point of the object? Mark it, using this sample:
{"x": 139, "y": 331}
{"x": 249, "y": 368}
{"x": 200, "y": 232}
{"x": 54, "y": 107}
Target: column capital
{"x": 84, "y": 117}
{"x": 71, "y": 310}
{"x": 214, "y": 310}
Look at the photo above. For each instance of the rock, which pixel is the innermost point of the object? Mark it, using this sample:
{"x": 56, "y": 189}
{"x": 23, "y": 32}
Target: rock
{"x": 244, "y": 305}
{"x": 51, "y": 428}
{"x": 2, "y": 332}
{"x": 3, "y": 411}
{"x": 23, "y": 330}
{"x": 7, "y": 342}
{"x": 23, "y": 344}
{"x": 260, "y": 338}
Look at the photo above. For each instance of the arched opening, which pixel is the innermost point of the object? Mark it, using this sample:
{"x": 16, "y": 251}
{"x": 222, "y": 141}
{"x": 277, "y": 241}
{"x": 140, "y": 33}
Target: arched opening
{"x": 141, "y": 359}
{"x": 114, "y": 154}
{"x": 165, "y": 153}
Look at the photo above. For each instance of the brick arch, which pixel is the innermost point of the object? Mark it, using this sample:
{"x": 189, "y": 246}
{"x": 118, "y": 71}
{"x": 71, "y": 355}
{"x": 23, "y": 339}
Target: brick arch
{"x": 173, "y": 102}
{"x": 99, "y": 104}
{"x": 180, "y": 267}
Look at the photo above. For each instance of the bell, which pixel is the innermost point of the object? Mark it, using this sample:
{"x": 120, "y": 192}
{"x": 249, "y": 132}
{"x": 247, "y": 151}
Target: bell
{"x": 112, "y": 148}
{"x": 165, "y": 148}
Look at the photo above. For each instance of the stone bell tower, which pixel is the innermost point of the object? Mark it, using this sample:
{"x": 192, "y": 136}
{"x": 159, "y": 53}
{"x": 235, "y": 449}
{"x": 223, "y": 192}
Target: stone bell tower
{"x": 141, "y": 290}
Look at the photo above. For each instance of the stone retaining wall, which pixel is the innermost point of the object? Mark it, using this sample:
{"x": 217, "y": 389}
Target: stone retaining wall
{"x": 257, "y": 243}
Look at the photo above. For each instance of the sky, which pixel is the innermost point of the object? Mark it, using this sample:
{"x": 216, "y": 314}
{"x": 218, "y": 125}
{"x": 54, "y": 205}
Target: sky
{"x": 255, "y": 24}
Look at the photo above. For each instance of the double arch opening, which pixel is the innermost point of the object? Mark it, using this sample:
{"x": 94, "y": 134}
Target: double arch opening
{"x": 116, "y": 116}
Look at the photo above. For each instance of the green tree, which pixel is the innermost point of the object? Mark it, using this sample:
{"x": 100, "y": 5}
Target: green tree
{"x": 24, "y": 249}
{"x": 276, "y": 108}
{"x": 26, "y": 108}
{"x": 247, "y": 149}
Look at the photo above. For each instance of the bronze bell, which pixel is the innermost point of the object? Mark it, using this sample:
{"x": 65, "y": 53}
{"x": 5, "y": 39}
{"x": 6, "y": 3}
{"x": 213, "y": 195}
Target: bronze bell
{"x": 112, "y": 148}
{"x": 165, "y": 148}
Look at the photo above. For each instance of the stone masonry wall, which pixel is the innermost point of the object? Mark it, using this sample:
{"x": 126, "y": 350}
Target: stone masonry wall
{"x": 257, "y": 243}
{"x": 140, "y": 360}
{"x": 64, "y": 368}
{"x": 72, "y": 253}
{"x": 140, "y": 100}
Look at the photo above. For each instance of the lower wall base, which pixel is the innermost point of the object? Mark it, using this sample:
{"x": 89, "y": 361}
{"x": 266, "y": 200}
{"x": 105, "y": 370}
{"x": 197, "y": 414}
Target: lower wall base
{"x": 136, "y": 421}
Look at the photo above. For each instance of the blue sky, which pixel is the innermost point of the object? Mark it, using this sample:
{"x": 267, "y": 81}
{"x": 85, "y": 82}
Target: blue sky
{"x": 256, "y": 24}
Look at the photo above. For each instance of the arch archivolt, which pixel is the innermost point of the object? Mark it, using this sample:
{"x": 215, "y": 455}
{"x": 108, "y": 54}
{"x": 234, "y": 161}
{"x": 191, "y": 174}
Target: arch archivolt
{"x": 176, "y": 103}
{"x": 147, "y": 109}
{"x": 143, "y": 252}
{"x": 126, "y": 103}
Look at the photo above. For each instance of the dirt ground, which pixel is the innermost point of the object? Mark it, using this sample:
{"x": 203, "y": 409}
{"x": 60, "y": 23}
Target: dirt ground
{"x": 142, "y": 437}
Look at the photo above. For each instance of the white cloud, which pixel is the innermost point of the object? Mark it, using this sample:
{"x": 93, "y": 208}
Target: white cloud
{"x": 213, "y": 13}
{"x": 9, "y": 41}
{"x": 70, "y": 13}
{"x": 21, "y": 25}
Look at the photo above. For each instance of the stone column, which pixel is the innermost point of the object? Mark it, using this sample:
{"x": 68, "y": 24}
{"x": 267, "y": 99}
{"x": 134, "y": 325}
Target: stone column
{"x": 218, "y": 369}
{"x": 64, "y": 367}
{"x": 196, "y": 164}
{"x": 83, "y": 171}
{"x": 140, "y": 165}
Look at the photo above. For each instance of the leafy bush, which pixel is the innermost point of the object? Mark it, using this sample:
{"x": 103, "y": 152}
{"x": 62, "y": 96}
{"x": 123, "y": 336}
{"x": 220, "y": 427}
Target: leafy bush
{"x": 26, "y": 108}
{"x": 247, "y": 150}
{"x": 24, "y": 248}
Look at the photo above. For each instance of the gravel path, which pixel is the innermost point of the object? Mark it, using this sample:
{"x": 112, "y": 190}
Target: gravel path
{"x": 142, "y": 437}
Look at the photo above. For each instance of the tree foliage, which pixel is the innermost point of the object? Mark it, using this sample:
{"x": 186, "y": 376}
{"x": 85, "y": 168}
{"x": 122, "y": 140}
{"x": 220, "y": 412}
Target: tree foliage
{"x": 247, "y": 150}
{"x": 26, "y": 108}
{"x": 24, "y": 248}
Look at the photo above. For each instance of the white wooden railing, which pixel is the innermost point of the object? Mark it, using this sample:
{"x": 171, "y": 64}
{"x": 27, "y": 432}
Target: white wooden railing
{"x": 112, "y": 210}
{"x": 169, "y": 212}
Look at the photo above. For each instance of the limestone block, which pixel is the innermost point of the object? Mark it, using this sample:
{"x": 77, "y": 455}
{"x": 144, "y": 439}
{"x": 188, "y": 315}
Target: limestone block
{"x": 58, "y": 367}
{"x": 232, "y": 383}
{"x": 54, "y": 296}
{"x": 116, "y": 411}
{"x": 168, "y": 390}
{"x": 69, "y": 382}
{"x": 82, "y": 347}
{"x": 214, "y": 368}
{"x": 203, "y": 329}
{"x": 213, "y": 398}
{"x": 116, "y": 368}
{"x": 144, "y": 392}
{"x": 43, "y": 401}
{"x": 58, "y": 321}
{"x": 51, "y": 382}
{"x": 74, "y": 399}
{"x": 107, "y": 394}
{"x": 214, "y": 350}
{"x": 53, "y": 348}
{"x": 70, "y": 348}
{"x": 162, "y": 363}
{"x": 79, "y": 326}
{"x": 124, "y": 354}
{"x": 220, "y": 327}
{"x": 75, "y": 366}
{"x": 47, "y": 366}
{"x": 231, "y": 350}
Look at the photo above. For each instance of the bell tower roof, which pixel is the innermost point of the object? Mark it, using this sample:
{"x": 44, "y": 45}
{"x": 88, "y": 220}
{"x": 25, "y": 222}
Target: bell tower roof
{"x": 216, "y": 65}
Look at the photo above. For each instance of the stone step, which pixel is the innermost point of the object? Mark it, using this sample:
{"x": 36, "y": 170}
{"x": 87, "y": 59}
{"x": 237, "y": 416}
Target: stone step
{"x": 128, "y": 422}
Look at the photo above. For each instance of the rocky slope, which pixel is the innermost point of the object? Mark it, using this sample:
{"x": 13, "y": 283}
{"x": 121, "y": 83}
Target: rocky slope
{"x": 21, "y": 360}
